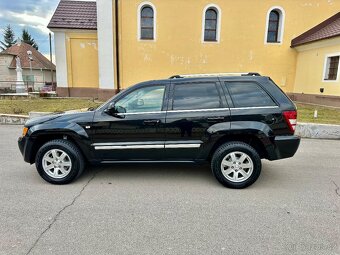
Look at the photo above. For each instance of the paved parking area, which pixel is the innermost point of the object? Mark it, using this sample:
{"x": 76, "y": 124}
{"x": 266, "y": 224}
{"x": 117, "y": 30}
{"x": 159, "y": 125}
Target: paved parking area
{"x": 172, "y": 209}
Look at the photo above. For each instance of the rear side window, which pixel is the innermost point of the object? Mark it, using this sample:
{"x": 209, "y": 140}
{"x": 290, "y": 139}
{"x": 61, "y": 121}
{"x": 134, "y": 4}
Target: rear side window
{"x": 192, "y": 96}
{"x": 248, "y": 94}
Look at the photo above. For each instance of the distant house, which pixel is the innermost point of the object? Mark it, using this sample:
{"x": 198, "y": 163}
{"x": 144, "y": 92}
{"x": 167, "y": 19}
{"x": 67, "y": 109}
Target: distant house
{"x": 317, "y": 66}
{"x": 36, "y": 74}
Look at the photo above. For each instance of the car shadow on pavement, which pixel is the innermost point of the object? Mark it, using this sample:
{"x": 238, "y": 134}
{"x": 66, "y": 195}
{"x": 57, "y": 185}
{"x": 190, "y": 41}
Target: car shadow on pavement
{"x": 165, "y": 172}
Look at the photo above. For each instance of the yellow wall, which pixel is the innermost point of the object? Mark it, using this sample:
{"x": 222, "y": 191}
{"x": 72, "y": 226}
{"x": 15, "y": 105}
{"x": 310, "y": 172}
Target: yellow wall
{"x": 82, "y": 60}
{"x": 310, "y": 68}
{"x": 178, "y": 47}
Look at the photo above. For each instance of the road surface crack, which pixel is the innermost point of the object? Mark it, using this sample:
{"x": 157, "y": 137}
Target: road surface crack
{"x": 337, "y": 190}
{"x": 55, "y": 218}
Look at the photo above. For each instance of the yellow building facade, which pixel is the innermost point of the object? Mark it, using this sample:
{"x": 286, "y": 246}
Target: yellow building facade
{"x": 99, "y": 60}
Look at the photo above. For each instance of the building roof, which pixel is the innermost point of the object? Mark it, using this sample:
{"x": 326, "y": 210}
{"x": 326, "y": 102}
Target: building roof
{"x": 325, "y": 30}
{"x": 74, "y": 15}
{"x": 20, "y": 49}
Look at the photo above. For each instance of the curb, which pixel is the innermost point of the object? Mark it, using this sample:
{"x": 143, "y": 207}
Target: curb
{"x": 318, "y": 131}
{"x": 11, "y": 119}
{"x": 304, "y": 130}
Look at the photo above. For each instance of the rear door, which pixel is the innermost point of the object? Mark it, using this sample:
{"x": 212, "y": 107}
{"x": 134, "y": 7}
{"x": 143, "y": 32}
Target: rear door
{"x": 194, "y": 106}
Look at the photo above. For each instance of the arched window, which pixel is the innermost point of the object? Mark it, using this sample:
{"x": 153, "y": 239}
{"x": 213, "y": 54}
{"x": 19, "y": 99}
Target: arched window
{"x": 273, "y": 26}
{"x": 210, "y": 25}
{"x": 275, "y": 22}
{"x": 147, "y": 23}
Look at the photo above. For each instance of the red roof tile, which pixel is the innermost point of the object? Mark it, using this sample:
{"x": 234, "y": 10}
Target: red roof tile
{"x": 20, "y": 49}
{"x": 327, "y": 29}
{"x": 75, "y": 15}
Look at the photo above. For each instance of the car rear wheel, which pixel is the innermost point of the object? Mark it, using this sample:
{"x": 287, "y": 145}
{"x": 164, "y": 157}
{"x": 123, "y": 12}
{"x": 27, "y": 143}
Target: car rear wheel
{"x": 59, "y": 162}
{"x": 236, "y": 165}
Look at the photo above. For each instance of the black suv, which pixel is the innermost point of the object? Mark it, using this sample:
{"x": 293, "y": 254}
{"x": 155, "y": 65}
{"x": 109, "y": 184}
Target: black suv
{"x": 230, "y": 120}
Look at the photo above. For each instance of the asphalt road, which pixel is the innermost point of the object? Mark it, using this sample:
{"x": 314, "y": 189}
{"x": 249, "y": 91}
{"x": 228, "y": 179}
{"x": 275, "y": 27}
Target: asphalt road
{"x": 172, "y": 209}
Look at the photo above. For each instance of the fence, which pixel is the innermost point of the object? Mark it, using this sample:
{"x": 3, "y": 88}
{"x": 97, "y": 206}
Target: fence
{"x": 10, "y": 86}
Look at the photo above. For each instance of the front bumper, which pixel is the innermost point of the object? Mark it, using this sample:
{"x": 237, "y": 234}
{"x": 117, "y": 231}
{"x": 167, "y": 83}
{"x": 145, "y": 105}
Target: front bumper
{"x": 284, "y": 147}
{"x": 25, "y": 147}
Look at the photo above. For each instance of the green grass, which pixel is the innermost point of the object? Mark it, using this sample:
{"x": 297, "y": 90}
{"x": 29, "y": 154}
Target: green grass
{"x": 44, "y": 105}
{"x": 326, "y": 115}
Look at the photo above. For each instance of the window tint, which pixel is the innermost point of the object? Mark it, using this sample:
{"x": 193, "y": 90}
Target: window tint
{"x": 210, "y": 26}
{"x": 196, "y": 96}
{"x": 147, "y": 20}
{"x": 248, "y": 94}
{"x": 273, "y": 26}
{"x": 147, "y": 99}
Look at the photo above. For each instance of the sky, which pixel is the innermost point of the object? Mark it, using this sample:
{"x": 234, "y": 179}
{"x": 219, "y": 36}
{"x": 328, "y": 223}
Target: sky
{"x": 33, "y": 15}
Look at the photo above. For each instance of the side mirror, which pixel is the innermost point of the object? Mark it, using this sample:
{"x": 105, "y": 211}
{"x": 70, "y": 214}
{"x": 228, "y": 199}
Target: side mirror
{"x": 115, "y": 111}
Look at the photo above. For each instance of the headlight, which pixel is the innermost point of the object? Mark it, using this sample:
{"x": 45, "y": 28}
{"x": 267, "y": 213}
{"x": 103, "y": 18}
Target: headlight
{"x": 24, "y": 131}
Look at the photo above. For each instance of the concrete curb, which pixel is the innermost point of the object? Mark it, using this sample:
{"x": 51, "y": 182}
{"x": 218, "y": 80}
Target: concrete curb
{"x": 305, "y": 130}
{"x": 318, "y": 131}
{"x": 13, "y": 119}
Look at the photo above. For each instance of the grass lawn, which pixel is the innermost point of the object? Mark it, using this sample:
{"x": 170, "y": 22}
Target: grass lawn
{"x": 326, "y": 115}
{"x": 44, "y": 105}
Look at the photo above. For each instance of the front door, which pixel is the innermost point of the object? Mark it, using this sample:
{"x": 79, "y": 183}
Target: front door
{"x": 194, "y": 106}
{"x": 137, "y": 134}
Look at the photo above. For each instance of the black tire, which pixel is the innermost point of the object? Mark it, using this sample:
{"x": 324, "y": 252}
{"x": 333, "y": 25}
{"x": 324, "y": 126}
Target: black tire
{"x": 75, "y": 157}
{"x": 230, "y": 147}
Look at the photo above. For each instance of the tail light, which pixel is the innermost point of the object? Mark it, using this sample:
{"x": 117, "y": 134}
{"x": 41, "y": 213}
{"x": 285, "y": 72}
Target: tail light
{"x": 290, "y": 117}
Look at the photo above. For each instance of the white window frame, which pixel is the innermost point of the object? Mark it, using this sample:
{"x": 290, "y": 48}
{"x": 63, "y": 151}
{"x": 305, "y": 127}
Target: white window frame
{"x": 139, "y": 12}
{"x": 326, "y": 66}
{"x": 281, "y": 25}
{"x": 219, "y": 18}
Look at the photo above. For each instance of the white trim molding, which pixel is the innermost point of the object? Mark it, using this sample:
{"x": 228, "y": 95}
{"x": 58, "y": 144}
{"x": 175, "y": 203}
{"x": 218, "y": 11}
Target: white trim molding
{"x": 61, "y": 59}
{"x": 105, "y": 44}
{"x": 280, "y": 34}
{"x": 139, "y": 9}
{"x": 219, "y": 18}
{"x": 326, "y": 67}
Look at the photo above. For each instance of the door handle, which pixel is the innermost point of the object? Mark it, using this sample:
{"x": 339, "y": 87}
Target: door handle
{"x": 216, "y": 118}
{"x": 151, "y": 122}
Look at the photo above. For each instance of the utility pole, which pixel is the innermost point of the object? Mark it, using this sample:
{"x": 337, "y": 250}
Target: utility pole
{"x": 51, "y": 64}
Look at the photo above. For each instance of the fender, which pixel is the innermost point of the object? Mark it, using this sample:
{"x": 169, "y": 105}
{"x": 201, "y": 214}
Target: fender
{"x": 237, "y": 128}
{"x": 74, "y": 131}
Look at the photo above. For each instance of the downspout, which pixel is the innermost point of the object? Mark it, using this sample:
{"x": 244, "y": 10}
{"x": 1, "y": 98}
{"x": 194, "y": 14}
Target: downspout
{"x": 117, "y": 44}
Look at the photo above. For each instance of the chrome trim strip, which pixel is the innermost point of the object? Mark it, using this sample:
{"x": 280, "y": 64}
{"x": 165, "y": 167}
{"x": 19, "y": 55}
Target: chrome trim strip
{"x": 129, "y": 147}
{"x": 256, "y": 107}
{"x": 148, "y": 145}
{"x": 201, "y": 110}
{"x": 135, "y": 113}
{"x": 129, "y": 143}
{"x": 182, "y": 146}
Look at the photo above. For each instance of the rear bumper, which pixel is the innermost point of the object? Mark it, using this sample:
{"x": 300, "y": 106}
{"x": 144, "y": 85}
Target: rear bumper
{"x": 284, "y": 147}
{"x": 25, "y": 147}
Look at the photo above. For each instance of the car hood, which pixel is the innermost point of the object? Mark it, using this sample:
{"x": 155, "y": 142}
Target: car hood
{"x": 71, "y": 116}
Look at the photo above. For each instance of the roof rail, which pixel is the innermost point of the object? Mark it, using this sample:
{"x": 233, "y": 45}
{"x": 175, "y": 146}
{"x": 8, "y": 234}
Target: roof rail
{"x": 212, "y": 74}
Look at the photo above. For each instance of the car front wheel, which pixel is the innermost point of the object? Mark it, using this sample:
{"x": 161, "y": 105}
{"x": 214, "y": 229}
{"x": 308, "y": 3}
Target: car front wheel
{"x": 236, "y": 165}
{"x": 59, "y": 162}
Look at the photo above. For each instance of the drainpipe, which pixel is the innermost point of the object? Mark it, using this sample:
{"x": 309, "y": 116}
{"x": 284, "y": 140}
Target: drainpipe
{"x": 117, "y": 43}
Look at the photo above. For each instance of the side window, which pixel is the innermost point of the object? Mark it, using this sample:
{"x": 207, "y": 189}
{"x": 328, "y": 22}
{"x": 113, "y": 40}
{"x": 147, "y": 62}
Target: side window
{"x": 248, "y": 94}
{"x": 147, "y": 99}
{"x": 196, "y": 96}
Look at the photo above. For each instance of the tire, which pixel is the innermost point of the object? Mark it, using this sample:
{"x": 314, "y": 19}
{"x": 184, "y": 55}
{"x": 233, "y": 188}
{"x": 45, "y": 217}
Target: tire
{"x": 241, "y": 165}
{"x": 59, "y": 162}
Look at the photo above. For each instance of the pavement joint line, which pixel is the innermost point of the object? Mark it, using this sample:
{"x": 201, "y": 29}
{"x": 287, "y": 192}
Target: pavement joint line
{"x": 337, "y": 190}
{"x": 55, "y": 218}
